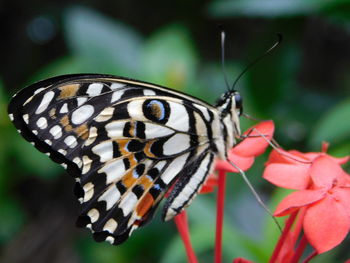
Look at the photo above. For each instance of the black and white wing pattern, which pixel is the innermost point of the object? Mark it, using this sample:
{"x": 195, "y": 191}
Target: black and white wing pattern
{"x": 125, "y": 142}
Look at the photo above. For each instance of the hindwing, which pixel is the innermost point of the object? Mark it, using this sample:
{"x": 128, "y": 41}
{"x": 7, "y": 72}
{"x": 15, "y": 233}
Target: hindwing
{"x": 126, "y": 142}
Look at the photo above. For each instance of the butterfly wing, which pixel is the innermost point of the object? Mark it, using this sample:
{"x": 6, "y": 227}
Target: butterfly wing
{"x": 126, "y": 142}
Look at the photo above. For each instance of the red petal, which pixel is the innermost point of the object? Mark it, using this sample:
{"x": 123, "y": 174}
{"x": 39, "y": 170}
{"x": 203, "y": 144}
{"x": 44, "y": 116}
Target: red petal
{"x": 243, "y": 163}
{"x": 288, "y": 175}
{"x": 254, "y": 146}
{"x": 324, "y": 171}
{"x": 342, "y": 195}
{"x": 209, "y": 185}
{"x": 297, "y": 200}
{"x": 343, "y": 180}
{"x": 326, "y": 224}
{"x": 340, "y": 160}
{"x": 282, "y": 156}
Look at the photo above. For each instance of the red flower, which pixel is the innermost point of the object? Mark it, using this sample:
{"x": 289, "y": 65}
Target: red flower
{"x": 290, "y": 169}
{"x": 324, "y": 193}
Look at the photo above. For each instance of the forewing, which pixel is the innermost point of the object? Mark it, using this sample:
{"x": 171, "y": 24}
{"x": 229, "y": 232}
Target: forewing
{"x": 126, "y": 142}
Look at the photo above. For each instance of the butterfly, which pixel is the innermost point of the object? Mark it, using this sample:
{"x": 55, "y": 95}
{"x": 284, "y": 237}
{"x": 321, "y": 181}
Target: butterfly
{"x": 127, "y": 143}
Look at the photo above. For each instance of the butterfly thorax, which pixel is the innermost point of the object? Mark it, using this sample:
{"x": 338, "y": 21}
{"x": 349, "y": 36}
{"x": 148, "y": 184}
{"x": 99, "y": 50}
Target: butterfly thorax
{"x": 230, "y": 108}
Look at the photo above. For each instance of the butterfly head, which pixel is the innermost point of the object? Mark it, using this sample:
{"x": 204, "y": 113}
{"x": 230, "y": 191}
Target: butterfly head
{"x": 230, "y": 103}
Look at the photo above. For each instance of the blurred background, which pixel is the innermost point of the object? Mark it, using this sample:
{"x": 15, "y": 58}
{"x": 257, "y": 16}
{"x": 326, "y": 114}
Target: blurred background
{"x": 304, "y": 86}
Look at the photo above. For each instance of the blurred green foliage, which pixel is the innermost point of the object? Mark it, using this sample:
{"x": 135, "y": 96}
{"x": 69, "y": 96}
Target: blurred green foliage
{"x": 303, "y": 86}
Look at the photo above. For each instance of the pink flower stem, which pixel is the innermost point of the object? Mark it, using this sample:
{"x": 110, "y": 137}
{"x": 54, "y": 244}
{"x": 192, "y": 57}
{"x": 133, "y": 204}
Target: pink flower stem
{"x": 298, "y": 225}
{"x": 182, "y": 227}
{"x": 300, "y": 249}
{"x": 285, "y": 232}
{"x": 219, "y": 216}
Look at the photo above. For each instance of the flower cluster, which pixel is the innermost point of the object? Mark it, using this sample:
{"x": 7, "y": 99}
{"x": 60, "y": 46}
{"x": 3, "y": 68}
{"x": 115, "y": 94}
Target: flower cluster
{"x": 319, "y": 209}
{"x": 322, "y": 199}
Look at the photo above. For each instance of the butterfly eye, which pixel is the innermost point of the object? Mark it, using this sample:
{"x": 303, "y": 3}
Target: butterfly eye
{"x": 239, "y": 103}
{"x": 238, "y": 100}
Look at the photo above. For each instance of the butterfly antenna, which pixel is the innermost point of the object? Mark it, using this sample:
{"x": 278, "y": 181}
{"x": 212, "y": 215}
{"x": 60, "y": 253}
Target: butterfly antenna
{"x": 250, "y": 65}
{"x": 223, "y": 35}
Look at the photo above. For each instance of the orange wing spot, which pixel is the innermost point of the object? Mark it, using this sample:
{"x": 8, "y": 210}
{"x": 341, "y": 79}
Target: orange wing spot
{"x": 129, "y": 180}
{"x": 145, "y": 182}
{"x": 82, "y": 131}
{"x": 65, "y": 123}
{"x": 147, "y": 149}
{"x": 122, "y": 146}
{"x": 132, "y": 160}
{"x": 68, "y": 91}
{"x": 144, "y": 205}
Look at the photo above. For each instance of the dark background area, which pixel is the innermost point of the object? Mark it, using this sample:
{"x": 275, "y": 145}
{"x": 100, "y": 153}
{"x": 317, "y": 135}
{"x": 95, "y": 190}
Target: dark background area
{"x": 303, "y": 85}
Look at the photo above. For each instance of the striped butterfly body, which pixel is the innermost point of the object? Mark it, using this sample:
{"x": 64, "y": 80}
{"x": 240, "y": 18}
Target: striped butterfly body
{"x": 126, "y": 143}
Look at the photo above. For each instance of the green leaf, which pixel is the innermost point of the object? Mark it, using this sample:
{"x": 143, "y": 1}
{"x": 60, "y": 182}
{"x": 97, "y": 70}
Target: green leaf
{"x": 334, "y": 127}
{"x": 265, "y": 8}
{"x": 170, "y": 58}
{"x": 102, "y": 42}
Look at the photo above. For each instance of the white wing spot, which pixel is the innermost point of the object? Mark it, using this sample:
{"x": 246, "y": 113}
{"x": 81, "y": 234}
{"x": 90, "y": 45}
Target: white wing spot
{"x": 38, "y": 90}
{"x": 81, "y": 101}
{"x": 117, "y": 95}
{"x": 92, "y": 136}
{"x": 148, "y": 92}
{"x": 110, "y": 239}
{"x": 64, "y": 108}
{"x": 86, "y": 164}
{"x": 62, "y": 151}
{"x": 88, "y": 191}
{"x": 71, "y": 141}
{"x": 104, "y": 150}
{"x": 174, "y": 168}
{"x": 110, "y": 196}
{"x": 78, "y": 162}
{"x": 114, "y": 170}
{"x": 94, "y": 215}
{"x": 48, "y": 142}
{"x": 35, "y": 132}
{"x": 11, "y": 117}
{"x": 56, "y": 131}
{"x": 115, "y": 129}
{"x": 45, "y": 102}
{"x": 94, "y": 89}
{"x": 26, "y": 118}
{"x": 178, "y": 118}
{"x": 176, "y": 144}
{"x": 81, "y": 114}
{"x": 105, "y": 115}
{"x": 117, "y": 86}
{"x": 128, "y": 203}
{"x": 110, "y": 226}
{"x": 41, "y": 123}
